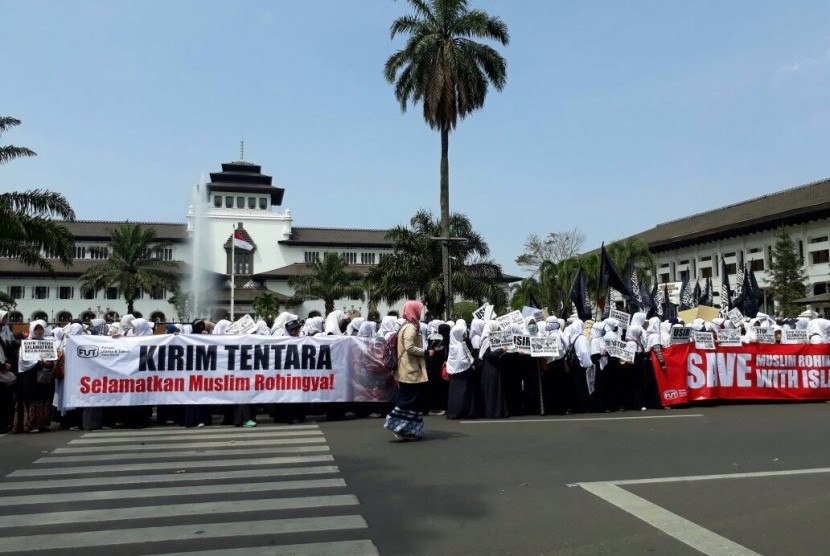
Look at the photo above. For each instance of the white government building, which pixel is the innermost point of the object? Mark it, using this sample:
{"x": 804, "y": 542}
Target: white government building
{"x": 238, "y": 198}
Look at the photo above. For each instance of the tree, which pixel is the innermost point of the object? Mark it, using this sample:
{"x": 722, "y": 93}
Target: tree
{"x": 266, "y": 306}
{"x": 28, "y": 232}
{"x": 786, "y": 275}
{"x": 330, "y": 279}
{"x": 414, "y": 268}
{"x": 134, "y": 264}
{"x": 521, "y": 293}
{"x": 555, "y": 247}
{"x": 446, "y": 71}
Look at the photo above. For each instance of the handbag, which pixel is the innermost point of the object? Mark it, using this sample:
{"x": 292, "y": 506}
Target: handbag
{"x": 444, "y": 373}
{"x": 59, "y": 366}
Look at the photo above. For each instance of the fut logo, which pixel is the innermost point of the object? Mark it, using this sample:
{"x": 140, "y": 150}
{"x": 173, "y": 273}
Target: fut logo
{"x": 87, "y": 351}
{"x": 671, "y": 395}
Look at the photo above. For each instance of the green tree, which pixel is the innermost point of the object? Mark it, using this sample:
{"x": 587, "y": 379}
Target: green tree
{"x": 28, "y": 232}
{"x": 787, "y": 279}
{"x": 521, "y": 292}
{"x": 414, "y": 268}
{"x": 134, "y": 264}
{"x": 329, "y": 279}
{"x": 448, "y": 72}
{"x": 266, "y": 306}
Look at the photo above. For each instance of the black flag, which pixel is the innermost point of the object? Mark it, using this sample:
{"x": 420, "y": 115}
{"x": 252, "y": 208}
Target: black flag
{"x": 752, "y": 295}
{"x": 533, "y": 303}
{"x": 725, "y": 291}
{"x": 696, "y": 293}
{"x": 579, "y": 296}
{"x": 636, "y": 302}
{"x": 668, "y": 309}
{"x": 608, "y": 276}
{"x": 686, "y": 294}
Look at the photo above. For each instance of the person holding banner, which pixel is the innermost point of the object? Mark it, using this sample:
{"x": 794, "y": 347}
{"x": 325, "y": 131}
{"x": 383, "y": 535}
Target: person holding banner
{"x": 493, "y": 400}
{"x": 579, "y": 368}
{"x": 463, "y": 401}
{"x": 406, "y": 420}
{"x": 33, "y": 408}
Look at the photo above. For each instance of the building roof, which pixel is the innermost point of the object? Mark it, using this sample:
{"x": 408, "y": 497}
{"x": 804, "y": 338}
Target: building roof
{"x": 99, "y": 230}
{"x": 244, "y": 177}
{"x": 300, "y": 269}
{"x": 790, "y": 206}
{"x": 341, "y": 237}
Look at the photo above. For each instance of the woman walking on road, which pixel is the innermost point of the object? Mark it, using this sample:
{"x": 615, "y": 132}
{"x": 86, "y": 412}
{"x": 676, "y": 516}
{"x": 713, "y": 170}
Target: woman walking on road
{"x": 406, "y": 421}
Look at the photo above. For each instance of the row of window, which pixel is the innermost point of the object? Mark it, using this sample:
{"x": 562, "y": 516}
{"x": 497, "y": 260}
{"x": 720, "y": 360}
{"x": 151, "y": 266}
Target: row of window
{"x": 68, "y": 292}
{"x": 350, "y": 258}
{"x": 100, "y": 253}
{"x": 65, "y": 316}
{"x": 229, "y": 201}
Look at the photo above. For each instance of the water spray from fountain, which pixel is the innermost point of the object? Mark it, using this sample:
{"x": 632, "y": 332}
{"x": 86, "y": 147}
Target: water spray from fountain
{"x": 199, "y": 250}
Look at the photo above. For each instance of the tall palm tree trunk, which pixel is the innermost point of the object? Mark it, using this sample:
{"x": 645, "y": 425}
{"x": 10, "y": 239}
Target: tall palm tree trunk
{"x": 445, "y": 216}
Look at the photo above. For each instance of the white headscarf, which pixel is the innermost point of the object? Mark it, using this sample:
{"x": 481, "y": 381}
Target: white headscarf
{"x": 388, "y": 325}
{"x": 262, "y": 328}
{"x": 367, "y": 329}
{"x": 221, "y": 327}
{"x": 333, "y": 321}
{"x": 141, "y": 327}
{"x": 459, "y": 359}
{"x": 126, "y": 324}
{"x": 312, "y": 326}
{"x": 476, "y": 330}
{"x": 278, "y": 329}
{"x": 638, "y": 319}
{"x": 354, "y": 326}
{"x": 489, "y": 327}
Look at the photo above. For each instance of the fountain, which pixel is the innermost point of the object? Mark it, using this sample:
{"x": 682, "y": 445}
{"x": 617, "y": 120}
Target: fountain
{"x": 199, "y": 251}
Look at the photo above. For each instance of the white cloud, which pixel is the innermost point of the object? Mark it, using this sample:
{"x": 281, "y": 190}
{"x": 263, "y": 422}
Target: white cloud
{"x": 789, "y": 68}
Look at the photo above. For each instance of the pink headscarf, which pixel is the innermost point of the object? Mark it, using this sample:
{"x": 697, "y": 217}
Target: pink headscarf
{"x": 412, "y": 311}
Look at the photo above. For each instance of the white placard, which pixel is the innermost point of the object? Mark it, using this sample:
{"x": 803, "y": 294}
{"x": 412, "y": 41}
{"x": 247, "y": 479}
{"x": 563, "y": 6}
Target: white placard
{"x": 544, "y": 346}
{"x": 624, "y": 351}
{"x": 500, "y": 340}
{"x": 622, "y": 316}
{"x": 485, "y": 312}
{"x": 245, "y": 325}
{"x": 765, "y": 335}
{"x": 735, "y": 316}
{"x": 795, "y": 337}
{"x": 681, "y": 335}
{"x": 731, "y": 337}
{"x": 513, "y": 317}
{"x": 522, "y": 343}
{"x": 35, "y": 350}
{"x": 704, "y": 340}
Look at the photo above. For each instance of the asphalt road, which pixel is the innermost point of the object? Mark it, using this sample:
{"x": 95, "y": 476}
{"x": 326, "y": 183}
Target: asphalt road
{"x": 736, "y": 479}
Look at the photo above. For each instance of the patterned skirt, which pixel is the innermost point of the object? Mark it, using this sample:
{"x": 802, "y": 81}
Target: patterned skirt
{"x": 406, "y": 421}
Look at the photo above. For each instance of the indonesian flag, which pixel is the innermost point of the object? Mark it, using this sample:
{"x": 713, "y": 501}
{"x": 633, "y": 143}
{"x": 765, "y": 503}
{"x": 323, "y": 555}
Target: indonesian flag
{"x": 239, "y": 241}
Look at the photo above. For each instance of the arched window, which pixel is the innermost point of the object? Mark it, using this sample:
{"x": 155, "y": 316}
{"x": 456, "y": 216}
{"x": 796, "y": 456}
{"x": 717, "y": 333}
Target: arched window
{"x": 64, "y": 317}
{"x": 87, "y": 316}
{"x": 15, "y": 316}
{"x": 138, "y": 315}
{"x": 40, "y": 315}
{"x": 112, "y": 316}
{"x": 157, "y": 316}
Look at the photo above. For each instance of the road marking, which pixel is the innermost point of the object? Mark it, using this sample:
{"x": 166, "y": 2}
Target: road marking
{"x": 748, "y": 475}
{"x": 576, "y": 419}
{"x": 341, "y": 548}
{"x": 90, "y": 495}
{"x": 195, "y": 532}
{"x": 687, "y": 532}
{"x": 235, "y": 431}
{"x": 174, "y": 477}
{"x": 96, "y": 439}
{"x": 170, "y": 447}
{"x": 176, "y": 510}
{"x": 52, "y": 471}
{"x": 183, "y": 454}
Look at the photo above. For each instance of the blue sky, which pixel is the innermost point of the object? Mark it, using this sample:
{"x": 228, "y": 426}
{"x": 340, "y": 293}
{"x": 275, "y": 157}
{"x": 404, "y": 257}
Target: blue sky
{"x": 616, "y": 115}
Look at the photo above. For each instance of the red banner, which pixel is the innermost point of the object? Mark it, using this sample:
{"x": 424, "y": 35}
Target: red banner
{"x": 749, "y": 372}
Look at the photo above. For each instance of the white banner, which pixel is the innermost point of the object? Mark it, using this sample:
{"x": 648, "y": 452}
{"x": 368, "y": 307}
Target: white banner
{"x": 222, "y": 369}
{"x": 795, "y": 337}
{"x": 544, "y": 346}
{"x": 704, "y": 340}
{"x": 35, "y": 350}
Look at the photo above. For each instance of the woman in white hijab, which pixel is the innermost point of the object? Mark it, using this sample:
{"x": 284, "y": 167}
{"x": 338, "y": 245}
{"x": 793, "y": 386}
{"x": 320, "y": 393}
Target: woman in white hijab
{"x": 354, "y": 326}
{"x": 336, "y": 323}
{"x": 69, "y": 419}
{"x": 34, "y": 391}
{"x": 262, "y": 328}
{"x": 278, "y": 329}
{"x": 126, "y": 326}
{"x": 312, "y": 327}
{"x": 141, "y": 327}
{"x": 367, "y": 329}
{"x": 493, "y": 401}
{"x": 463, "y": 401}
{"x": 579, "y": 366}
{"x": 388, "y": 326}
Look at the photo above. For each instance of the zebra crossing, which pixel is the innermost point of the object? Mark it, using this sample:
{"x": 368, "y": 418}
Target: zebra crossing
{"x": 272, "y": 490}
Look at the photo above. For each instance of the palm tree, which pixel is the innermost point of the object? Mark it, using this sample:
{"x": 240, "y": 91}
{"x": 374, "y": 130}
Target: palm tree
{"x": 133, "y": 265}
{"x": 266, "y": 305}
{"x": 447, "y": 72}
{"x": 27, "y": 229}
{"x": 414, "y": 268}
{"x": 330, "y": 279}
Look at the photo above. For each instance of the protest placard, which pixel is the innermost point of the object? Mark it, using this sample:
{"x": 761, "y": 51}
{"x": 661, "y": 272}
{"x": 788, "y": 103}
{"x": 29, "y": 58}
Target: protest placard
{"x": 245, "y": 325}
{"x": 513, "y": 317}
{"x": 35, "y": 350}
{"x": 731, "y": 337}
{"x": 735, "y": 316}
{"x": 794, "y": 337}
{"x": 765, "y": 335}
{"x": 624, "y": 351}
{"x": 622, "y": 316}
{"x": 501, "y": 340}
{"x": 704, "y": 340}
{"x": 521, "y": 343}
{"x": 681, "y": 335}
{"x": 544, "y": 346}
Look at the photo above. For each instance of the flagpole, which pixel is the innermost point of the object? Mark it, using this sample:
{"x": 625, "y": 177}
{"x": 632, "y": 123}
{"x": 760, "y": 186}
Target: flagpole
{"x": 233, "y": 264}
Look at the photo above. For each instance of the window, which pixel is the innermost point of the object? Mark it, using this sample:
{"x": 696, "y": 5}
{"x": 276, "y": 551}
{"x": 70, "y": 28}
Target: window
{"x": 684, "y": 275}
{"x": 87, "y": 316}
{"x": 217, "y": 201}
{"x": 228, "y": 202}
{"x": 165, "y": 254}
{"x": 664, "y": 278}
{"x": 706, "y": 258}
{"x": 312, "y": 256}
{"x": 801, "y": 250}
{"x": 684, "y": 262}
{"x": 367, "y": 258}
{"x": 819, "y": 289}
{"x": 730, "y": 254}
{"x": 819, "y": 239}
{"x": 754, "y": 249}
{"x": 40, "y": 292}
{"x": 111, "y": 293}
{"x": 99, "y": 253}
{"x": 664, "y": 265}
{"x": 158, "y": 316}
{"x": 251, "y": 202}
{"x": 240, "y": 202}
{"x": 243, "y": 262}
{"x": 16, "y": 292}
{"x": 66, "y": 292}
{"x": 88, "y": 293}
{"x": 818, "y": 257}
{"x": 756, "y": 265}
{"x": 706, "y": 272}
{"x": 40, "y": 315}
{"x": 263, "y": 203}
{"x": 80, "y": 252}
{"x": 63, "y": 316}
{"x": 731, "y": 268}
{"x": 157, "y": 293}
{"x": 350, "y": 258}
{"x": 15, "y": 316}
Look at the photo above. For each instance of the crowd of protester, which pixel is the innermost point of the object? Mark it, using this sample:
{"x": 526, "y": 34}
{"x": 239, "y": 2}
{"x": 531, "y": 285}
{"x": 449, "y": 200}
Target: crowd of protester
{"x": 443, "y": 368}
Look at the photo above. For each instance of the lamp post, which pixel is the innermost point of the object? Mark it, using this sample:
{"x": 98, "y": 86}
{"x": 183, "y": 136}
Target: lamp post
{"x": 445, "y": 255}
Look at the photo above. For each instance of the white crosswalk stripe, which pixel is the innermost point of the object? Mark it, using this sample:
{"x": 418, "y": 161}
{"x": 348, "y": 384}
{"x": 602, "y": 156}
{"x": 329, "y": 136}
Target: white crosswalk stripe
{"x": 271, "y": 490}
